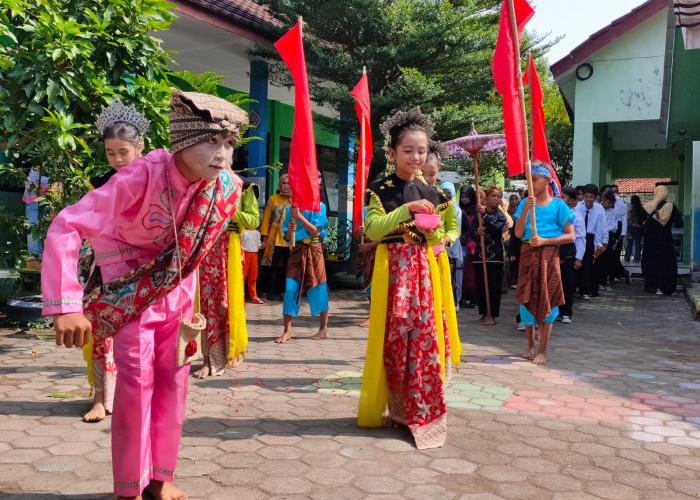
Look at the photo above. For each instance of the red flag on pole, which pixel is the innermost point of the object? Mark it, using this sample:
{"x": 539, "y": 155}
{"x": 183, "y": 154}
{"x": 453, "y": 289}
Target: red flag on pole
{"x": 364, "y": 157}
{"x": 505, "y": 77}
{"x": 303, "y": 169}
{"x": 540, "y": 151}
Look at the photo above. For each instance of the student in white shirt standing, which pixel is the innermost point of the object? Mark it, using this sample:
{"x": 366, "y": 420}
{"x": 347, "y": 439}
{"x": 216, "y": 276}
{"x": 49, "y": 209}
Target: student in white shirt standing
{"x": 593, "y": 216}
{"x": 571, "y": 256}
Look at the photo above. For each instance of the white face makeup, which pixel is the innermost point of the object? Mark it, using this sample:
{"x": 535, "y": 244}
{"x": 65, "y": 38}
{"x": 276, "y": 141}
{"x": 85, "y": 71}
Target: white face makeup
{"x": 206, "y": 159}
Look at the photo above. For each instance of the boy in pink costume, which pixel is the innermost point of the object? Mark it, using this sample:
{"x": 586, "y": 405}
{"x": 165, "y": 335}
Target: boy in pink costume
{"x": 131, "y": 222}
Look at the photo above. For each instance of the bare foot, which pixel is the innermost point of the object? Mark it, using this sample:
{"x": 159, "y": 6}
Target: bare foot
{"x": 489, "y": 321}
{"x": 322, "y": 334}
{"x": 483, "y": 318}
{"x": 530, "y": 354}
{"x": 540, "y": 359}
{"x": 365, "y": 323}
{"x": 165, "y": 491}
{"x": 236, "y": 361}
{"x": 96, "y": 414}
{"x": 202, "y": 373}
{"x": 286, "y": 336}
{"x": 391, "y": 423}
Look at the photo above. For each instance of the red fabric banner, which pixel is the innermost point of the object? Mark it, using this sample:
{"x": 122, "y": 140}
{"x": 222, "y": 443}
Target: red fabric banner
{"x": 303, "y": 169}
{"x": 540, "y": 151}
{"x": 365, "y": 145}
{"x": 505, "y": 77}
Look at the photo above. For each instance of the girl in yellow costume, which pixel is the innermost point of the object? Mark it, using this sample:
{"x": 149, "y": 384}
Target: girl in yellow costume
{"x": 409, "y": 349}
{"x": 221, "y": 291}
{"x": 276, "y": 250}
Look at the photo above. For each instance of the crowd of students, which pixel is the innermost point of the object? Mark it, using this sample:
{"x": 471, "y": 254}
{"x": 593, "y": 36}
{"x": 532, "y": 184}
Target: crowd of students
{"x": 604, "y": 226}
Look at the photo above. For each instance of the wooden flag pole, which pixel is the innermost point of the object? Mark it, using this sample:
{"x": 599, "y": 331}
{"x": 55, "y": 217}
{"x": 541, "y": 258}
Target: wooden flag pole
{"x": 481, "y": 237}
{"x": 521, "y": 92}
{"x": 362, "y": 160}
{"x": 293, "y": 239}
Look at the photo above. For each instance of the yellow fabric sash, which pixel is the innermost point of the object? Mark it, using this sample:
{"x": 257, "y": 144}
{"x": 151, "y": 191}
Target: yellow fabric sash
{"x": 373, "y": 396}
{"x": 87, "y": 357}
{"x": 448, "y": 302}
{"x": 238, "y": 333}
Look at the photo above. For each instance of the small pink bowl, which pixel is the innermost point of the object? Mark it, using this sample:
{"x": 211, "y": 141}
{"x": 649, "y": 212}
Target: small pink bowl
{"x": 437, "y": 249}
{"x": 428, "y": 221}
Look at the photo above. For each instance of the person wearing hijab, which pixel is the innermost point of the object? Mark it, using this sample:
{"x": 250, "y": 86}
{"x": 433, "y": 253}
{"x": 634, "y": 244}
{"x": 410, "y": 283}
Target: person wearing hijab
{"x": 454, "y": 252}
{"x": 659, "y": 266}
{"x": 467, "y": 204}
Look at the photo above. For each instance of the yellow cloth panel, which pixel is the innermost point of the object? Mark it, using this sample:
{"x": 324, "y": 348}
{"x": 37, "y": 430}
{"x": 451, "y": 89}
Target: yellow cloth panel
{"x": 448, "y": 302}
{"x": 87, "y": 356}
{"x": 373, "y": 396}
{"x": 238, "y": 333}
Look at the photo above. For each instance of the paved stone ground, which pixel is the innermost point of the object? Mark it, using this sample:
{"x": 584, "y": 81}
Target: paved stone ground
{"x": 615, "y": 414}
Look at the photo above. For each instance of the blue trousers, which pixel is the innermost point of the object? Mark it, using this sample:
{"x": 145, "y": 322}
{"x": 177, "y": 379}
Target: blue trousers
{"x": 318, "y": 298}
{"x": 529, "y": 320}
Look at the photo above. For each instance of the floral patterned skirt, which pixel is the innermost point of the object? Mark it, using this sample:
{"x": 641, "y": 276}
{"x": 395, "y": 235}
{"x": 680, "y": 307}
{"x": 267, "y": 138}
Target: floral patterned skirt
{"x": 416, "y": 395}
{"x": 104, "y": 370}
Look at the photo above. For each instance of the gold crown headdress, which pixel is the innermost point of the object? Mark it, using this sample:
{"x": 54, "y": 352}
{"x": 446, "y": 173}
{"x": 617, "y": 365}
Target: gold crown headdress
{"x": 118, "y": 112}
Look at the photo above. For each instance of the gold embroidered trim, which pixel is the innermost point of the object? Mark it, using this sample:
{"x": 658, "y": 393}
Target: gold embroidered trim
{"x": 377, "y": 199}
{"x": 443, "y": 206}
{"x": 116, "y": 252}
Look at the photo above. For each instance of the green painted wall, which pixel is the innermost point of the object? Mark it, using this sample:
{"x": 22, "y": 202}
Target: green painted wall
{"x": 280, "y": 119}
{"x": 684, "y": 118}
{"x": 643, "y": 163}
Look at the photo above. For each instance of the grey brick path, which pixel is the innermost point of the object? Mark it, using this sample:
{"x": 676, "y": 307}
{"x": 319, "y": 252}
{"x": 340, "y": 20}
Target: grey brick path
{"x": 615, "y": 414}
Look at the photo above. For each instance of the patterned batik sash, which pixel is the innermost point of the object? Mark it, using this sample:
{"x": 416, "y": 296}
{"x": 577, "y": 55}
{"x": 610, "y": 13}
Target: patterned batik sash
{"x": 111, "y": 305}
{"x": 539, "y": 280}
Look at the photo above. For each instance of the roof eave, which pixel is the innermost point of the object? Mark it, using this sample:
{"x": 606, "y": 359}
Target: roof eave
{"x": 607, "y": 35}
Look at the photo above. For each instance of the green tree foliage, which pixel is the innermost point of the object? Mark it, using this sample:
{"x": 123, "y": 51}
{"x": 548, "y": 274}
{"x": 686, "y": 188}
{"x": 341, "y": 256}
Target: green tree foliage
{"x": 429, "y": 53}
{"x": 60, "y": 61}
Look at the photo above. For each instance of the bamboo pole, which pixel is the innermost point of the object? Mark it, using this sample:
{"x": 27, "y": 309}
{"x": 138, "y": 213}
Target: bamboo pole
{"x": 481, "y": 237}
{"x": 293, "y": 239}
{"x": 362, "y": 160}
{"x": 521, "y": 92}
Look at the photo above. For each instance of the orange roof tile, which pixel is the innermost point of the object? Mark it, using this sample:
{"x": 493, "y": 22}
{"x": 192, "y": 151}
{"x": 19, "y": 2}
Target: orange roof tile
{"x": 639, "y": 185}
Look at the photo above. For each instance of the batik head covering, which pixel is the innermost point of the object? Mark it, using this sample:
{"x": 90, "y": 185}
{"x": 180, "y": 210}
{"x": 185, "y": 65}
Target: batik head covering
{"x": 195, "y": 117}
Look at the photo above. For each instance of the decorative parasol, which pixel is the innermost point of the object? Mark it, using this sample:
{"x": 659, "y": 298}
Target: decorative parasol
{"x": 472, "y": 145}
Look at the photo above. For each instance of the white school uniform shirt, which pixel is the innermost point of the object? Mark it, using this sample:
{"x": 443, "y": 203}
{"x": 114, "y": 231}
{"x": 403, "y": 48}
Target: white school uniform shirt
{"x": 610, "y": 220}
{"x": 596, "y": 222}
{"x": 250, "y": 240}
{"x": 621, "y": 211}
{"x": 579, "y": 235}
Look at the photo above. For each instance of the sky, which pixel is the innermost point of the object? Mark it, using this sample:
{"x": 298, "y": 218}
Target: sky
{"x": 576, "y": 19}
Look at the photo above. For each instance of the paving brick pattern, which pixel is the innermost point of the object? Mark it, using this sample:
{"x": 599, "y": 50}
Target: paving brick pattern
{"x": 615, "y": 414}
